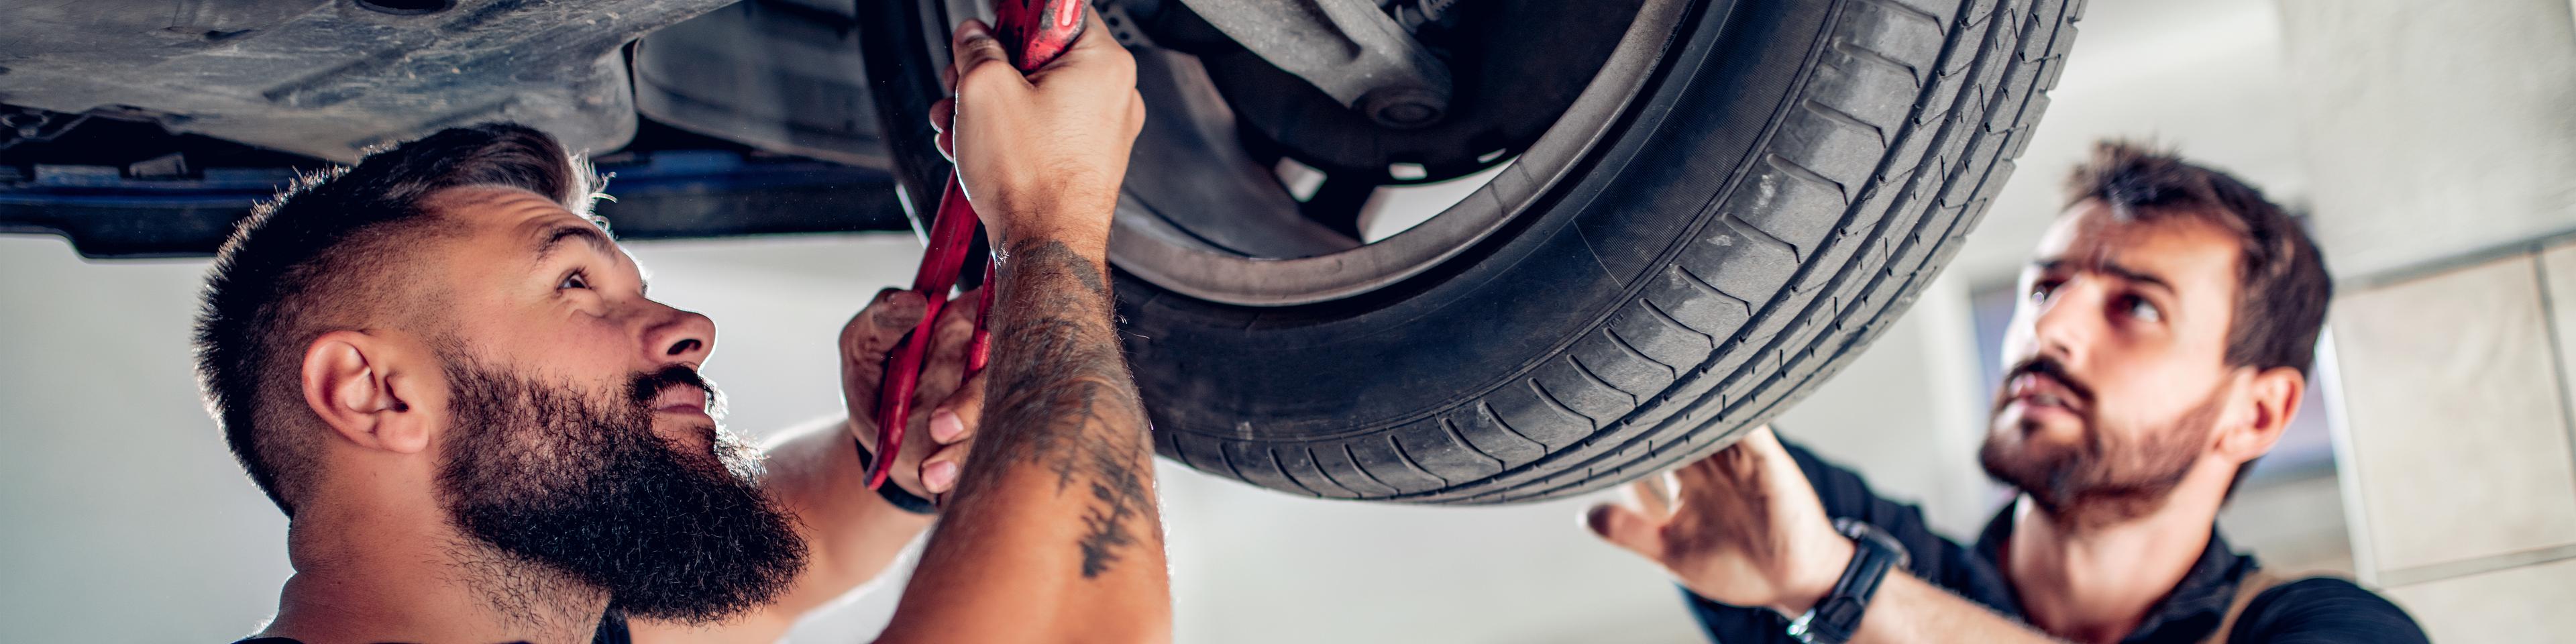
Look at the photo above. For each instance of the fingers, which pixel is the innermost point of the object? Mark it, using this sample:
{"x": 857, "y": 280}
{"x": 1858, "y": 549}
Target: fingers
{"x": 946, "y": 360}
{"x": 1741, "y": 463}
{"x": 1095, "y": 35}
{"x": 1640, "y": 529}
{"x": 939, "y": 473}
{"x": 979, "y": 60}
{"x": 1736, "y": 481}
{"x": 1762, "y": 439}
{"x": 1095, "y": 52}
{"x": 953, "y": 422}
{"x": 1762, "y": 442}
{"x": 1754, "y": 459}
{"x": 1707, "y": 473}
{"x": 943, "y": 362}
{"x": 957, "y": 417}
{"x": 1780, "y": 473}
{"x": 986, "y": 87}
{"x": 867, "y": 338}
{"x": 943, "y": 113}
{"x": 1050, "y": 147}
{"x": 953, "y": 427}
{"x": 877, "y": 328}
{"x": 1652, "y": 496}
{"x": 943, "y": 120}
{"x": 948, "y": 77}
{"x": 1627, "y": 528}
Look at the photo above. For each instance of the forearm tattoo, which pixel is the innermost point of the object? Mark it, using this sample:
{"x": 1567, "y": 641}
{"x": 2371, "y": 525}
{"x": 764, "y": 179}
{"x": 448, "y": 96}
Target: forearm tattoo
{"x": 1066, "y": 403}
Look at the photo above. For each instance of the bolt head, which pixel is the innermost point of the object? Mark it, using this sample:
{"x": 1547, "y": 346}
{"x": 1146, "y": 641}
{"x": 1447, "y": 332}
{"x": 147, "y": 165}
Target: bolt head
{"x": 1404, "y": 108}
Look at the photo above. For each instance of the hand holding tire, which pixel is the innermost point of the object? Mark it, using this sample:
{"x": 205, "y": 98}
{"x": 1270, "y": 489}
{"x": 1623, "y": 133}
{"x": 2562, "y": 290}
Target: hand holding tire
{"x": 1741, "y": 527}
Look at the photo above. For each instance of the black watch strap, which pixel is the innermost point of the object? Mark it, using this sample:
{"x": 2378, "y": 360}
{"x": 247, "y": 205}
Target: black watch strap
{"x": 1835, "y": 618}
{"x": 893, "y": 493}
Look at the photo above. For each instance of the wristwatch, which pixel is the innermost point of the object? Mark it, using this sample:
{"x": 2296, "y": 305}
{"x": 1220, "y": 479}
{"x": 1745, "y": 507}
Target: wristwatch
{"x": 892, "y": 493}
{"x": 1835, "y": 618}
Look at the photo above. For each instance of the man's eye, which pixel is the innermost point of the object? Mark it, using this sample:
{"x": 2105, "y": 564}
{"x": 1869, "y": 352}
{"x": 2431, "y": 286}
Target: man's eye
{"x": 575, "y": 280}
{"x": 2039, "y": 291}
{"x": 2141, "y": 309}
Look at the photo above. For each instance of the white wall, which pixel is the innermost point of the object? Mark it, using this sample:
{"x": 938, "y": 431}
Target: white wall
{"x": 122, "y": 519}
{"x": 2442, "y": 141}
{"x": 2434, "y": 129}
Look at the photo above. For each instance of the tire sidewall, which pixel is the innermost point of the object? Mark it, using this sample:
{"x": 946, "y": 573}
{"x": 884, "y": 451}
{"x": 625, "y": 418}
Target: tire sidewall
{"x": 1484, "y": 320}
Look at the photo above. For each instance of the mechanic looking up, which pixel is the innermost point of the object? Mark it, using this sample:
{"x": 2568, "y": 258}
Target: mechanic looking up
{"x": 2161, "y": 346}
{"x": 481, "y": 428}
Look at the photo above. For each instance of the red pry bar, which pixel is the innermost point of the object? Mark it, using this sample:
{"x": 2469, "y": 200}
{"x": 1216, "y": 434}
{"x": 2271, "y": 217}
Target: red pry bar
{"x": 1035, "y": 32}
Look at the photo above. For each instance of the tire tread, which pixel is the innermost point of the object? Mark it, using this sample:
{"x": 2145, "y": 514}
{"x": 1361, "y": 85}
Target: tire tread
{"x": 1766, "y": 297}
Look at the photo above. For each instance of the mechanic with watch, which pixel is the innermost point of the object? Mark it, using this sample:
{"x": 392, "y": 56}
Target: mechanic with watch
{"x": 2161, "y": 347}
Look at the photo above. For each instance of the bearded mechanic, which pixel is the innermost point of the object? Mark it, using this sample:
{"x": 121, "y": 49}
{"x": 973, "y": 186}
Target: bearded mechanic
{"x": 2161, "y": 347}
{"x": 481, "y": 429}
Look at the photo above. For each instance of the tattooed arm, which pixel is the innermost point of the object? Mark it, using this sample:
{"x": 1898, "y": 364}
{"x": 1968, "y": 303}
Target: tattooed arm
{"x": 1052, "y": 533}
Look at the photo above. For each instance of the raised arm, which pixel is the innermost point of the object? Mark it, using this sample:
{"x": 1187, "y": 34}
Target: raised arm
{"x": 1744, "y": 528}
{"x": 1052, "y": 532}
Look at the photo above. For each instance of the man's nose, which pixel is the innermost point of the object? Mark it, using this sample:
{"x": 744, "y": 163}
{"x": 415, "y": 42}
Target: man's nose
{"x": 680, "y": 336}
{"x": 2068, "y": 322}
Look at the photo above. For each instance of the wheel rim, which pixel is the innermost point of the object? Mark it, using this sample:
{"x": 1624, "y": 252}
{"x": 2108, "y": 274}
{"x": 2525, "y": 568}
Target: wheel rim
{"x": 1203, "y": 216}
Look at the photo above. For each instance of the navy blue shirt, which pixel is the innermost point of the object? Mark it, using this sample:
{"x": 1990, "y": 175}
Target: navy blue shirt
{"x": 2311, "y": 610}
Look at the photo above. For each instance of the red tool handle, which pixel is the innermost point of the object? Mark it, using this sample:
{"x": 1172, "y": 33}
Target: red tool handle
{"x": 1037, "y": 31}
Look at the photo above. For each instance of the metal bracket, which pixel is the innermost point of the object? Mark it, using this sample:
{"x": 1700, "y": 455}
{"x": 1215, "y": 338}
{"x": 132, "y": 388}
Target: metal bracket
{"x": 1350, "y": 49}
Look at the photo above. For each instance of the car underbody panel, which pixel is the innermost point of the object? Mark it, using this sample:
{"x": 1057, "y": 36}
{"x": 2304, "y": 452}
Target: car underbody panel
{"x": 145, "y": 128}
{"x": 330, "y": 78}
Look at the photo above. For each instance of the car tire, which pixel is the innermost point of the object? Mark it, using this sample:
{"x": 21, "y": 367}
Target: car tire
{"x": 1788, "y": 178}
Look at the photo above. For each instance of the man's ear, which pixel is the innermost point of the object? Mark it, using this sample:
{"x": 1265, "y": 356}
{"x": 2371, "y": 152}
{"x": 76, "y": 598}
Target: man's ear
{"x": 357, "y": 384}
{"x": 2272, "y": 397}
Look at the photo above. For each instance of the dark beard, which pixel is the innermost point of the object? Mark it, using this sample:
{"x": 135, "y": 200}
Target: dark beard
{"x": 2111, "y": 477}
{"x": 541, "y": 472}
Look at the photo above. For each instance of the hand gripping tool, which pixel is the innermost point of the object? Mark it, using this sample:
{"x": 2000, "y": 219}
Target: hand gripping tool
{"x": 1035, "y": 32}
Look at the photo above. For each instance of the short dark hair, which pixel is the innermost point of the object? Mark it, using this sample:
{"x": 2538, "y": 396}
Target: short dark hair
{"x": 309, "y": 261}
{"x": 2282, "y": 287}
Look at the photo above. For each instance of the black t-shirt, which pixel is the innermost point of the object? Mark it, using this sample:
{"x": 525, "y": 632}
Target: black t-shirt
{"x": 2312, "y": 610}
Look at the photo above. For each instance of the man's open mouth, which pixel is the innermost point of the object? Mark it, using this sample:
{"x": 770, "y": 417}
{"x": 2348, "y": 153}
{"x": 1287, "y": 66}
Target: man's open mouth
{"x": 2039, "y": 390}
{"x": 681, "y": 399}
